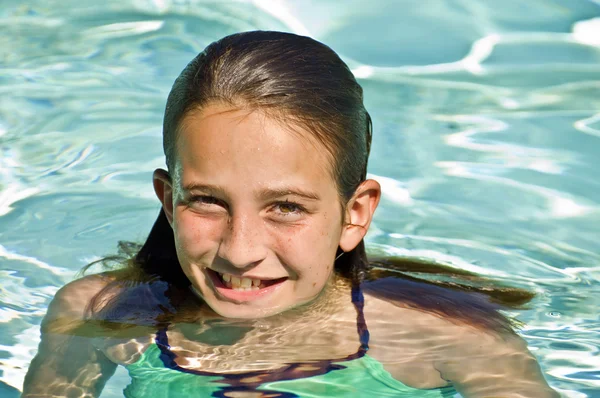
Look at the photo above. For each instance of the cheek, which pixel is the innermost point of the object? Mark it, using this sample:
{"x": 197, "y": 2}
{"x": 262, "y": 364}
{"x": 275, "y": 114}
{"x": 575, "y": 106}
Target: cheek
{"x": 308, "y": 241}
{"x": 310, "y": 250}
{"x": 195, "y": 235}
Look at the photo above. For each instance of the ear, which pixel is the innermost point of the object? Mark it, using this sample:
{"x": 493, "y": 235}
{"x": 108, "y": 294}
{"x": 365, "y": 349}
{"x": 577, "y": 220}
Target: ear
{"x": 163, "y": 187}
{"x": 359, "y": 213}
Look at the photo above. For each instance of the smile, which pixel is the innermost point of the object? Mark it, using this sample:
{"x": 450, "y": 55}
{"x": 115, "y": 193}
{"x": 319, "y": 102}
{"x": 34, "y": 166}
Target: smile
{"x": 238, "y": 288}
{"x": 240, "y": 283}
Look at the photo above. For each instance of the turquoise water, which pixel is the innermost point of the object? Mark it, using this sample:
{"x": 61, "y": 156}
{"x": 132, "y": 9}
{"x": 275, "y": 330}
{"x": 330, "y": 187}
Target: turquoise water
{"x": 486, "y": 142}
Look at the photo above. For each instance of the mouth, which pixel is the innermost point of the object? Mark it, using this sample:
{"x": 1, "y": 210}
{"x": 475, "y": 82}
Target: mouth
{"x": 241, "y": 289}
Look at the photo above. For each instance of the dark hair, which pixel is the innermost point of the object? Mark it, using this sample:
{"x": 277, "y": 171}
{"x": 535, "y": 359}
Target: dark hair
{"x": 291, "y": 78}
{"x": 303, "y": 83}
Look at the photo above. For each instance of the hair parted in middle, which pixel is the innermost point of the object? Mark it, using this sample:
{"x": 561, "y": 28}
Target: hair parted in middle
{"x": 292, "y": 79}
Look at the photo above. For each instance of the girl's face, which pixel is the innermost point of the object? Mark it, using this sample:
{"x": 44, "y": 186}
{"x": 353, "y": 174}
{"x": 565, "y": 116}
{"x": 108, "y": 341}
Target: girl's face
{"x": 255, "y": 212}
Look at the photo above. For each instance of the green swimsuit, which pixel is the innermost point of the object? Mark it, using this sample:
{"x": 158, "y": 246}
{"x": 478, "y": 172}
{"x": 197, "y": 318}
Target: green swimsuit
{"x": 362, "y": 377}
{"x": 156, "y": 374}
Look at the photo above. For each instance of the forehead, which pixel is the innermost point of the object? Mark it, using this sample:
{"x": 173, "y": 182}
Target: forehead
{"x": 223, "y": 139}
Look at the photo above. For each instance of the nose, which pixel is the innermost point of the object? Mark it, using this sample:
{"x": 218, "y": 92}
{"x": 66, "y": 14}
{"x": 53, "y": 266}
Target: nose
{"x": 242, "y": 244}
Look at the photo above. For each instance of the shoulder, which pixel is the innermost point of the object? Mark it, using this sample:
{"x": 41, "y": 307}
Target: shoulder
{"x": 434, "y": 319}
{"x": 73, "y": 299}
{"x": 67, "y": 359}
{"x": 108, "y": 300}
{"x": 406, "y": 341}
{"x": 477, "y": 359}
{"x": 102, "y": 311}
{"x": 453, "y": 304}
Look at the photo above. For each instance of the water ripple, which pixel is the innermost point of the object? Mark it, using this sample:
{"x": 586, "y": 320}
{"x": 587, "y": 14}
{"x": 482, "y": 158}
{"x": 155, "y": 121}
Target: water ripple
{"x": 485, "y": 143}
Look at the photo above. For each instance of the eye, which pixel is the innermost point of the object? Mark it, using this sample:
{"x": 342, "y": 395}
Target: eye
{"x": 288, "y": 208}
{"x": 205, "y": 200}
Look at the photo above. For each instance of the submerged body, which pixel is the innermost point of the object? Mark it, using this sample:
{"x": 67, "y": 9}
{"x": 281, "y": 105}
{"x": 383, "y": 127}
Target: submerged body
{"x": 360, "y": 377}
{"x": 408, "y": 349}
{"x": 254, "y": 271}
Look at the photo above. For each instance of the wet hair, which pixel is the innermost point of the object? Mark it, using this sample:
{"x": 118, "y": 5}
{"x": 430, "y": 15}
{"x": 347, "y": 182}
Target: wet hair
{"x": 304, "y": 84}
{"x": 293, "y": 79}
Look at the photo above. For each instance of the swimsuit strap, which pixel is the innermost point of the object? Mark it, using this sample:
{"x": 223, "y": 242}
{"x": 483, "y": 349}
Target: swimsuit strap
{"x": 358, "y": 299}
{"x": 161, "y": 338}
{"x": 252, "y": 380}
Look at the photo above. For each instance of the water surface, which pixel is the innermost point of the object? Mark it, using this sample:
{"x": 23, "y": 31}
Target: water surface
{"x": 486, "y": 142}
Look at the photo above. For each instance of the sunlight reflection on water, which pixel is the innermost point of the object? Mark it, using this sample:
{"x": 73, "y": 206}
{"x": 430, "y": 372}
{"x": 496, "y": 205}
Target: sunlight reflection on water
{"x": 486, "y": 142}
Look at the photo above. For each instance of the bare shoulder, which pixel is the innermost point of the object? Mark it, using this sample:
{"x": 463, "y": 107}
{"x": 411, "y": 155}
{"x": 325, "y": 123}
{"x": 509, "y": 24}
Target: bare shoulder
{"x": 67, "y": 362}
{"x": 477, "y": 361}
{"x": 79, "y": 350}
{"x": 72, "y": 300}
{"x": 422, "y": 325}
{"x": 75, "y": 295}
{"x": 108, "y": 308}
{"x": 407, "y": 342}
{"x": 113, "y": 333}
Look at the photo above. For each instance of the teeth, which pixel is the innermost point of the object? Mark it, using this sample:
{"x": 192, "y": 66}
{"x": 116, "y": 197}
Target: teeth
{"x": 237, "y": 283}
{"x": 246, "y": 283}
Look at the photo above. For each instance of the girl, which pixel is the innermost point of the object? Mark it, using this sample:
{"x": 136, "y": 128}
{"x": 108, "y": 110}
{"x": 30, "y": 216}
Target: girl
{"x": 254, "y": 279}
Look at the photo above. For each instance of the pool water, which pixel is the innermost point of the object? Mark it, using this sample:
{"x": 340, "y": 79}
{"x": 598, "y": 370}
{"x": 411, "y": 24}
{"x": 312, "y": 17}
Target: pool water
{"x": 486, "y": 142}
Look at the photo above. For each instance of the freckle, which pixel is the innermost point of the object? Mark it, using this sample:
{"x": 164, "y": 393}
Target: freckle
{"x": 314, "y": 284}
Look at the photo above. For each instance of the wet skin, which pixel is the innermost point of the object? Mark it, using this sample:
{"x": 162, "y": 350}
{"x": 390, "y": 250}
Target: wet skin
{"x": 252, "y": 198}
{"x": 417, "y": 348}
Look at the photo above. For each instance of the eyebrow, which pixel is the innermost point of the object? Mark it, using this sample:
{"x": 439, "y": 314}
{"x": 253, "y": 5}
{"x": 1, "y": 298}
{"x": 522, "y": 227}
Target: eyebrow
{"x": 211, "y": 189}
{"x": 269, "y": 194}
{"x": 266, "y": 194}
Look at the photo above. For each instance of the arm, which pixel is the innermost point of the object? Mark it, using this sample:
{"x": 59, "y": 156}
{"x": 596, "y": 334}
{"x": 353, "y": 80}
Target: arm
{"x": 485, "y": 364}
{"x": 67, "y": 363}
